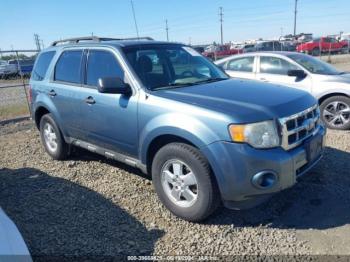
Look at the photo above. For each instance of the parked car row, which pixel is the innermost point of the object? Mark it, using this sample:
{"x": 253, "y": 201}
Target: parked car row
{"x": 328, "y": 85}
{"x": 313, "y": 47}
{"x": 14, "y": 68}
{"x": 204, "y": 137}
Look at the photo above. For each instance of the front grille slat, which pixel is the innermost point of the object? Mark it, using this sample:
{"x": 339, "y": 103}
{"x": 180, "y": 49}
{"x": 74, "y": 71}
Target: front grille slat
{"x": 298, "y": 127}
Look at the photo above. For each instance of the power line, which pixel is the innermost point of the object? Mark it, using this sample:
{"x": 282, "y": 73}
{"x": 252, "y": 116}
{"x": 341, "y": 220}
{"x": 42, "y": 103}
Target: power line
{"x": 221, "y": 20}
{"x": 133, "y": 12}
{"x": 167, "y": 30}
{"x": 295, "y": 16}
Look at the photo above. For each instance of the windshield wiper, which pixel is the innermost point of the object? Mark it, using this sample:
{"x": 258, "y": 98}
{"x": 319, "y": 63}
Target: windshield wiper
{"x": 176, "y": 85}
{"x": 209, "y": 80}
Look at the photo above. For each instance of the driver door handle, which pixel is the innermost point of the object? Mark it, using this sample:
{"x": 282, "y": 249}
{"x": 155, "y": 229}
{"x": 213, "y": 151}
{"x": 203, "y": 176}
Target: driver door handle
{"x": 90, "y": 100}
{"x": 263, "y": 79}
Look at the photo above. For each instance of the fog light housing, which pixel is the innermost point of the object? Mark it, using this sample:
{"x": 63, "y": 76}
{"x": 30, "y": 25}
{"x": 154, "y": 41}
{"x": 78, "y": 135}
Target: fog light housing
{"x": 265, "y": 179}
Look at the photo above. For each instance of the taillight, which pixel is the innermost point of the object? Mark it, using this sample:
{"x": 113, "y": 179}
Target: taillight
{"x": 30, "y": 94}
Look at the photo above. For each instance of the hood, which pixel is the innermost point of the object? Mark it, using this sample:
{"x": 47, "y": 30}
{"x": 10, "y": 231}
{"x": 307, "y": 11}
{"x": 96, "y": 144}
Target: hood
{"x": 343, "y": 78}
{"x": 243, "y": 100}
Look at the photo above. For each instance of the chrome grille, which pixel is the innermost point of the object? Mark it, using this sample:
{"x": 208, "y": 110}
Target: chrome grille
{"x": 298, "y": 127}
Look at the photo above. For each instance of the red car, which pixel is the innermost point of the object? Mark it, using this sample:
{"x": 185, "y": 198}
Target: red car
{"x": 323, "y": 44}
{"x": 221, "y": 51}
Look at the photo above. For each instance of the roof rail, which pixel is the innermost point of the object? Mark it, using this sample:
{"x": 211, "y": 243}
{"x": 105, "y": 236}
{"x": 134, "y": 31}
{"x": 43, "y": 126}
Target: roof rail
{"x": 96, "y": 39}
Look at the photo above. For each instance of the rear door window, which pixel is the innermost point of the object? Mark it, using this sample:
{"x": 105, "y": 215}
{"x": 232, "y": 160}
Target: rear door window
{"x": 244, "y": 64}
{"x": 41, "y": 65}
{"x": 102, "y": 64}
{"x": 68, "y": 67}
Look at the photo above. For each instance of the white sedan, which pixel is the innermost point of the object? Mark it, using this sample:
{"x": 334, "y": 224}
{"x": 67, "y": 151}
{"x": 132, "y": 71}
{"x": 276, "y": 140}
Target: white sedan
{"x": 330, "y": 86}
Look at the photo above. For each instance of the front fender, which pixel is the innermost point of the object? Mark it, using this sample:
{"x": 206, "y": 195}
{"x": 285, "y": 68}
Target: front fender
{"x": 177, "y": 124}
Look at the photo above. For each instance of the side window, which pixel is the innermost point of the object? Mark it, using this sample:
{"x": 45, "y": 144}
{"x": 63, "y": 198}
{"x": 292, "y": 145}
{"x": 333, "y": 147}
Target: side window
{"x": 275, "y": 65}
{"x": 102, "y": 64}
{"x": 41, "y": 65}
{"x": 244, "y": 64}
{"x": 68, "y": 67}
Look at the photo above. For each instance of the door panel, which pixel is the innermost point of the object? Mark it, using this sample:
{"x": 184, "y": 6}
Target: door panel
{"x": 111, "y": 120}
{"x": 64, "y": 91}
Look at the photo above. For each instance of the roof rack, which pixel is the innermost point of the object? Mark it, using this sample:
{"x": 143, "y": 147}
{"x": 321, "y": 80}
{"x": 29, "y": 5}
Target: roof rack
{"x": 96, "y": 39}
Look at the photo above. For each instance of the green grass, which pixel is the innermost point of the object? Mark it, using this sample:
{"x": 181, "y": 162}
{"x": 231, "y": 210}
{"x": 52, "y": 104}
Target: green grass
{"x": 11, "y": 111}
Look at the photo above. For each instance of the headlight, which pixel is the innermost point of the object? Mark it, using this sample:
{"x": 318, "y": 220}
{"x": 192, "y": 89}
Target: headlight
{"x": 258, "y": 135}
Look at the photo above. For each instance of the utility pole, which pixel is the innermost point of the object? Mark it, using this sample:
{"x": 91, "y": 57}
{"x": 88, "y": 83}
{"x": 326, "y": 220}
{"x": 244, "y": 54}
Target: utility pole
{"x": 221, "y": 20}
{"x": 167, "y": 30}
{"x": 37, "y": 41}
{"x": 295, "y": 17}
{"x": 133, "y": 12}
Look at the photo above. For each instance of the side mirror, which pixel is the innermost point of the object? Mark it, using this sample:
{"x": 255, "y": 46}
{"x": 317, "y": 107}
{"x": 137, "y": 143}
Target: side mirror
{"x": 113, "y": 85}
{"x": 298, "y": 73}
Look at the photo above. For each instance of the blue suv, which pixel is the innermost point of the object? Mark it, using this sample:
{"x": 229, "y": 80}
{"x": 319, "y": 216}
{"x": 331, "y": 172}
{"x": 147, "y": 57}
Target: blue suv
{"x": 165, "y": 109}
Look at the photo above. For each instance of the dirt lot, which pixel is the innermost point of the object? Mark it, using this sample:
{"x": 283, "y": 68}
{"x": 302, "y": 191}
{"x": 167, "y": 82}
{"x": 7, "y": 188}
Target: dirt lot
{"x": 91, "y": 206}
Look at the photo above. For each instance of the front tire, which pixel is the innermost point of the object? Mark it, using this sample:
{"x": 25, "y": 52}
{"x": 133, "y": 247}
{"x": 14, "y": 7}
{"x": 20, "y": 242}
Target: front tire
{"x": 183, "y": 181}
{"x": 52, "y": 138}
{"x": 335, "y": 112}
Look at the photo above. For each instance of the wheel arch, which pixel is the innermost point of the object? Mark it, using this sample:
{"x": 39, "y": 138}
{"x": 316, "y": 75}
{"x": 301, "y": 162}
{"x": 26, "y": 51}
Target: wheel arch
{"x": 38, "y": 114}
{"x": 159, "y": 142}
{"x": 326, "y": 96}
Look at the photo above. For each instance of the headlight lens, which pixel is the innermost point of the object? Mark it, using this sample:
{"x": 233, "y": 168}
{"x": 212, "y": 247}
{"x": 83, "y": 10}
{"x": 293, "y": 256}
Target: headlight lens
{"x": 259, "y": 135}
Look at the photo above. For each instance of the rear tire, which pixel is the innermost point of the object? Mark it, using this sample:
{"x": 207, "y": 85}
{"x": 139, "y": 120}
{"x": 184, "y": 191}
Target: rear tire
{"x": 183, "y": 181}
{"x": 52, "y": 138}
{"x": 335, "y": 112}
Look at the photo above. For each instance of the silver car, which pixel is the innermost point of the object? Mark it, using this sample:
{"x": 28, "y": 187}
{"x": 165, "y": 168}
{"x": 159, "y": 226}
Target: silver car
{"x": 7, "y": 69}
{"x": 330, "y": 86}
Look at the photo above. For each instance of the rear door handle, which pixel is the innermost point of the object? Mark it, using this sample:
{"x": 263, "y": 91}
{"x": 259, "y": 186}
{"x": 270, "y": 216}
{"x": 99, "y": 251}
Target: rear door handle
{"x": 90, "y": 100}
{"x": 263, "y": 79}
{"x": 52, "y": 93}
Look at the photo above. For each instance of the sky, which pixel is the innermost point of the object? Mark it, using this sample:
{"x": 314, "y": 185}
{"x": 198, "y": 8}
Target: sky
{"x": 189, "y": 21}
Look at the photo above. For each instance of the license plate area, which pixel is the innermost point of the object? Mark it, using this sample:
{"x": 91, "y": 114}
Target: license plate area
{"x": 313, "y": 148}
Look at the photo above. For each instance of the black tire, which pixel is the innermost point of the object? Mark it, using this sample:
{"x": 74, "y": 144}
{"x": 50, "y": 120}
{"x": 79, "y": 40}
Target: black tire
{"x": 315, "y": 52}
{"x": 327, "y": 105}
{"x": 208, "y": 196}
{"x": 62, "y": 149}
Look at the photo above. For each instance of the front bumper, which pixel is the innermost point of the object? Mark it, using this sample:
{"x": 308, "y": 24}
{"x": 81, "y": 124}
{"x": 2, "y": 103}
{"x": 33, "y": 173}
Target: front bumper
{"x": 234, "y": 166}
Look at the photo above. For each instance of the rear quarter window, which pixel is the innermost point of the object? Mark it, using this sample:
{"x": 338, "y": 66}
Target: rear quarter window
{"x": 42, "y": 65}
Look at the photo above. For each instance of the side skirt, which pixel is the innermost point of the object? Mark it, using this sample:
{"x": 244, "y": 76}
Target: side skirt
{"x": 108, "y": 153}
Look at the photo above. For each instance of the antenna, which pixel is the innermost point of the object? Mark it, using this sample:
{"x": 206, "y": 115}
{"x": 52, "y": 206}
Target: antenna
{"x": 133, "y": 12}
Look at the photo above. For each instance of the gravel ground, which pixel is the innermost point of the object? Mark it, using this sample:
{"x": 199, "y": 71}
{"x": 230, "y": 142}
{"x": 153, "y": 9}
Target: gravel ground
{"x": 89, "y": 206}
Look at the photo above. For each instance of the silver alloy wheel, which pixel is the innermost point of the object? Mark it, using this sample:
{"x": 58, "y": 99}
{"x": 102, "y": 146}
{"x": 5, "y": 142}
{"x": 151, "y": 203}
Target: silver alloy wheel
{"x": 179, "y": 183}
{"x": 50, "y": 137}
{"x": 337, "y": 114}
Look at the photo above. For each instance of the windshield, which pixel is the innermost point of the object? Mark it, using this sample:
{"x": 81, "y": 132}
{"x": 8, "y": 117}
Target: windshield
{"x": 314, "y": 65}
{"x": 167, "y": 66}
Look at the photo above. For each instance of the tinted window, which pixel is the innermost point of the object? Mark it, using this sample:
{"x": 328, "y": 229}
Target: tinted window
{"x": 275, "y": 65}
{"x": 68, "y": 67}
{"x": 42, "y": 65}
{"x": 244, "y": 64}
{"x": 102, "y": 64}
